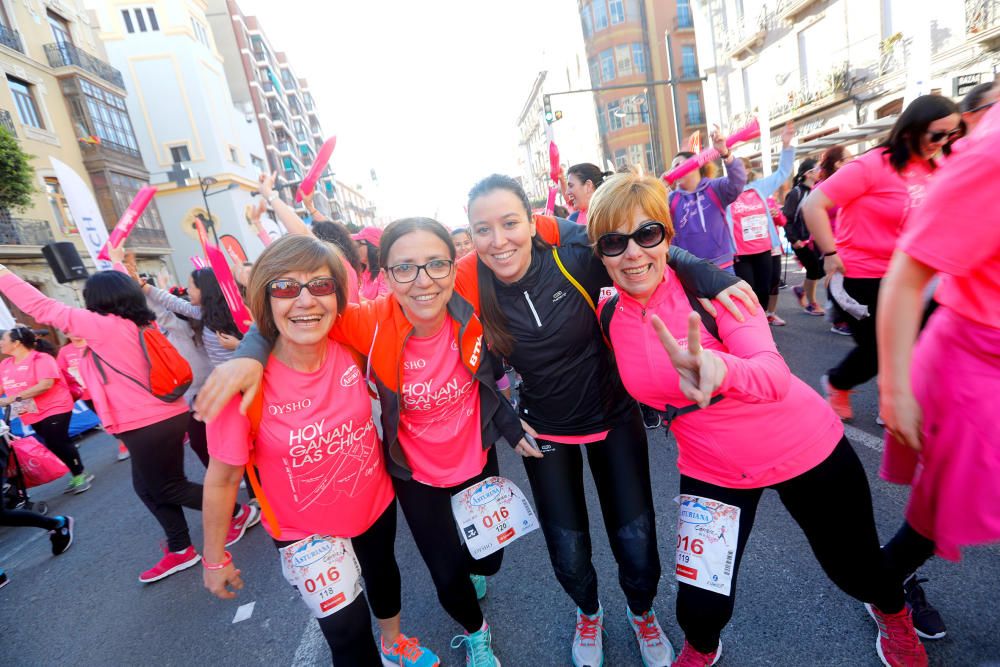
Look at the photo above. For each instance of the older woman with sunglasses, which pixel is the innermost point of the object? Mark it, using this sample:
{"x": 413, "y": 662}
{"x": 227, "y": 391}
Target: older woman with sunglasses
{"x": 874, "y": 192}
{"x": 717, "y": 389}
{"x": 320, "y": 461}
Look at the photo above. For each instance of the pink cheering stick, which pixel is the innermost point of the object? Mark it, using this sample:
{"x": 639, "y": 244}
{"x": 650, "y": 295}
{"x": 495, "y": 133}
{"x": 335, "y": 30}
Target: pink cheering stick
{"x": 555, "y": 169}
{"x": 128, "y": 220}
{"x": 550, "y": 203}
{"x": 220, "y": 267}
{"x": 322, "y": 158}
{"x": 751, "y": 131}
{"x": 198, "y": 262}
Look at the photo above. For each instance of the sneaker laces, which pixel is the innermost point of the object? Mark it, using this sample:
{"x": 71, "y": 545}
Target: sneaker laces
{"x": 899, "y": 633}
{"x": 649, "y": 630}
{"x": 407, "y": 647}
{"x": 477, "y": 650}
{"x": 588, "y": 627}
{"x": 692, "y": 657}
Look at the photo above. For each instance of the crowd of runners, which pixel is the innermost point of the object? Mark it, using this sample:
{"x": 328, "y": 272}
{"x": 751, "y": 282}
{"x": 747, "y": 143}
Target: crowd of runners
{"x": 383, "y": 369}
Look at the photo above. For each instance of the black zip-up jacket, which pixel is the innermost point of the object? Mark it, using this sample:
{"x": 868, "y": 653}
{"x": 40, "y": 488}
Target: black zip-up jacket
{"x": 571, "y": 382}
{"x": 795, "y": 226}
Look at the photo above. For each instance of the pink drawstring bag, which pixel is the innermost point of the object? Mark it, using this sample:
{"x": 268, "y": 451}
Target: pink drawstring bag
{"x": 38, "y": 464}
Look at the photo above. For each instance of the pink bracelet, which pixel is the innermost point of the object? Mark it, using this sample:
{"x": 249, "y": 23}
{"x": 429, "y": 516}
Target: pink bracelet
{"x": 227, "y": 561}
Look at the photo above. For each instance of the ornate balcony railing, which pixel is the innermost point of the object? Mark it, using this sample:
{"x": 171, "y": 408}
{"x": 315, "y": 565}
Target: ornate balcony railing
{"x": 63, "y": 54}
{"x": 147, "y": 237}
{"x": 835, "y": 83}
{"x": 7, "y": 122}
{"x": 981, "y": 16}
{"x": 20, "y": 231}
{"x": 10, "y": 38}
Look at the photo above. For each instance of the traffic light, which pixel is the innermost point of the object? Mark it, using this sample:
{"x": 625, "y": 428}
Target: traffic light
{"x": 559, "y": 115}
{"x": 547, "y": 105}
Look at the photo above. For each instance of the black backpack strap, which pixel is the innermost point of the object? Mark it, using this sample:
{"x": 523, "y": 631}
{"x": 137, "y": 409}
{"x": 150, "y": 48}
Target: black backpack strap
{"x": 670, "y": 412}
{"x": 607, "y": 313}
{"x": 99, "y": 363}
{"x": 706, "y": 317}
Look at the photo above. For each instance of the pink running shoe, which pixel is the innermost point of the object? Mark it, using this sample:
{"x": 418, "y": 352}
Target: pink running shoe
{"x": 839, "y": 399}
{"x": 897, "y": 643}
{"x": 249, "y": 516}
{"x": 691, "y": 657}
{"x": 170, "y": 564}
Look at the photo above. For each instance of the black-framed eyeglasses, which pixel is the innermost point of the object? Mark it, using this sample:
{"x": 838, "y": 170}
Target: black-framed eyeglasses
{"x": 436, "y": 269}
{"x": 649, "y": 235}
{"x": 935, "y": 137}
{"x": 286, "y": 288}
{"x": 983, "y": 107}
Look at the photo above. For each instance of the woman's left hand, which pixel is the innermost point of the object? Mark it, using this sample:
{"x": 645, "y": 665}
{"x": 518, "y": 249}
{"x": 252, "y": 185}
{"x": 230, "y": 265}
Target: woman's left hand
{"x": 742, "y": 292}
{"x": 227, "y": 341}
{"x": 524, "y": 446}
{"x": 117, "y": 253}
{"x": 701, "y": 371}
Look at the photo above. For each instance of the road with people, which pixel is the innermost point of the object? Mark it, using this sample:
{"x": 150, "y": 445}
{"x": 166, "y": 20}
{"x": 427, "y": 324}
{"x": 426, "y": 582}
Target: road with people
{"x": 786, "y": 610}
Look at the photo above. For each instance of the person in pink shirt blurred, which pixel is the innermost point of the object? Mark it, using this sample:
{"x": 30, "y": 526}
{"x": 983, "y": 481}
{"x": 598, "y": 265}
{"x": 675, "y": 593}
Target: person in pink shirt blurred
{"x": 937, "y": 393}
{"x": 373, "y": 281}
{"x": 37, "y": 394}
{"x": 875, "y": 191}
{"x": 716, "y": 390}
{"x": 152, "y": 429}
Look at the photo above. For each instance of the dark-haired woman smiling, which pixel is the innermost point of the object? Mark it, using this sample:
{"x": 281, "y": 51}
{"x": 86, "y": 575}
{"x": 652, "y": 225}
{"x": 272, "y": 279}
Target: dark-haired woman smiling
{"x": 874, "y": 192}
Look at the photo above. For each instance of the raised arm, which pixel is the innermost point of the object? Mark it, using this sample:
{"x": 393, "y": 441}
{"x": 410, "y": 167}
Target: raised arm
{"x": 174, "y": 304}
{"x": 286, "y": 214}
{"x": 74, "y": 321}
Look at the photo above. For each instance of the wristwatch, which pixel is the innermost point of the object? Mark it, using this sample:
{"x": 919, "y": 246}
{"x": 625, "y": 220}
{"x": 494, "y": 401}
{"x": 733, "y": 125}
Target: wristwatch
{"x": 271, "y": 197}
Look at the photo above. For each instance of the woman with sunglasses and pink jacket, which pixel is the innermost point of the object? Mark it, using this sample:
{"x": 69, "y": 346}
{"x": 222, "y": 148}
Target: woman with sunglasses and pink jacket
{"x": 735, "y": 409}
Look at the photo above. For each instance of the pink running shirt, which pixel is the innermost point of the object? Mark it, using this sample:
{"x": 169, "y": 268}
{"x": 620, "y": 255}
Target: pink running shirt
{"x": 37, "y": 366}
{"x": 751, "y": 229}
{"x": 439, "y": 426}
{"x": 69, "y": 361}
{"x": 317, "y": 451}
{"x": 873, "y": 199}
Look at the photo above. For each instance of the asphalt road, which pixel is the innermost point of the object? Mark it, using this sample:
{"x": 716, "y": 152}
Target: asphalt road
{"x": 86, "y": 607}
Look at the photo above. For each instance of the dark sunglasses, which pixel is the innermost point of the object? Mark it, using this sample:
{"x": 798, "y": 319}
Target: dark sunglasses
{"x": 649, "y": 235}
{"x": 285, "y": 288}
{"x": 935, "y": 137}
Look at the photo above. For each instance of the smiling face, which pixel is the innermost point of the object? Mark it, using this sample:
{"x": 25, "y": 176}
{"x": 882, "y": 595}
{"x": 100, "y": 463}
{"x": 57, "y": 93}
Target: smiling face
{"x": 424, "y": 300}
{"x": 638, "y": 270}
{"x": 7, "y": 346}
{"x": 463, "y": 243}
{"x": 502, "y": 231}
{"x": 579, "y": 192}
{"x": 194, "y": 294}
{"x": 943, "y": 127}
{"x": 305, "y": 320}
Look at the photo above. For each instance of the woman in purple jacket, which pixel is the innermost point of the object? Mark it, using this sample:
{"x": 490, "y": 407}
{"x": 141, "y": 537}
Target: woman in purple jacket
{"x": 698, "y": 207}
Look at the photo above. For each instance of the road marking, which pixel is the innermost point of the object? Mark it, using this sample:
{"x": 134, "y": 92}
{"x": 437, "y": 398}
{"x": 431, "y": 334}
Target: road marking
{"x": 244, "y": 612}
{"x": 6, "y": 558}
{"x": 312, "y": 649}
{"x": 855, "y": 434}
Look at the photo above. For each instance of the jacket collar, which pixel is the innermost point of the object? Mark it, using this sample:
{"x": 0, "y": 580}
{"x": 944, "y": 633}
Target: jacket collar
{"x": 658, "y": 297}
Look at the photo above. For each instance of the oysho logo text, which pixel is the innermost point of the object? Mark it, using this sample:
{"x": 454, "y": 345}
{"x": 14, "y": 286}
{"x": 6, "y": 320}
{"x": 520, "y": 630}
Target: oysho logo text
{"x": 414, "y": 365}
{"x": 284, "y": 408}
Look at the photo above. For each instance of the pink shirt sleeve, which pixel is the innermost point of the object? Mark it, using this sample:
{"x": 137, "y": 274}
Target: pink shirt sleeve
{"x": 755, "y": 371}
{"x": 850, "y": 182}
{"x": 74, "y": 321}
{"x": 46, "y": 367}
{"x": 229, "y": 435}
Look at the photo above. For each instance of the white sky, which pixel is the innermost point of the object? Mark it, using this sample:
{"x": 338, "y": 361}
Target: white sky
{"x": 426, "y": 93}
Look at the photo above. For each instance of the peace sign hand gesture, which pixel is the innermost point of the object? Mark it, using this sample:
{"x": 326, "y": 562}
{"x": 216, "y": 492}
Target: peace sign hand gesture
{"x": 701, "y": 371}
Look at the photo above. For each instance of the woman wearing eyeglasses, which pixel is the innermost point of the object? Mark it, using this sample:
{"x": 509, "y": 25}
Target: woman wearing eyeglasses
{"x": 441, "y": 410}
{"x": 320, "y": 461}
{"x": 737, "y": 410}
{"x": 874, "y": 192}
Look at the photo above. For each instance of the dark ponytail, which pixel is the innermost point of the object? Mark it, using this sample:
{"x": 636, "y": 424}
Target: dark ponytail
{"x": 24, "y": 336}
{"x": 805, "y": 166}
{"x": 586, "y": 171}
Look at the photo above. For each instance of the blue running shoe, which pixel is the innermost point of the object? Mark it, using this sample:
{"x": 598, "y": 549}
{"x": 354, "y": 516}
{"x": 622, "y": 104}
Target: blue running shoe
{"x": 407, "y": 652}
{"x": 478, "y": 648}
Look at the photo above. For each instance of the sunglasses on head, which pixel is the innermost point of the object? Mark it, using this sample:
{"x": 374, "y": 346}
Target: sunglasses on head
{"x": 648, "y": 235}
{"x": 936, "y": 137}
{"x": 286, "y": 288}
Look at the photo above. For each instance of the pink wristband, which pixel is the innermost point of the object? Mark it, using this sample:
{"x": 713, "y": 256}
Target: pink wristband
{"x": 227, "y": 561}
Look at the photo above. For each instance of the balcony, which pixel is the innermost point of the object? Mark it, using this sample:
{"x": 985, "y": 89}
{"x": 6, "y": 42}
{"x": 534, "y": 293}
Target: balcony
{"x": 892, "y": 54}
{"x": 147, "y": 237}
{"x": 315, "y": 129}
{"x": 683, "y": 21}
{"x": 789, "y": 9}
{"x": 745, "y": 34}
{"x": 67, "y": 55}
{"x": 268, "y": 88}
{"x": 284, "y": 146}
{"x": 19, "y": 231}
{"x": 10, "y": 38}
{"x": 982, "y": 19}
{"x": 696, "y": 119}
{"x": 277, "y": 113}
{"x": 810, "y": 96}
{"x": 7, "y": 122}
{"x": 309, "y": 103}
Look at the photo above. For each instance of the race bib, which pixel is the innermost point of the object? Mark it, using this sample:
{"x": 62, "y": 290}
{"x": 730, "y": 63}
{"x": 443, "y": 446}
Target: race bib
{"x": 24, "y": 406}
{"x": 707, "y": 531}
{"x": 754, "y": 227}
{"x": 325, "y": 570}
{"x": 491, "y": 514}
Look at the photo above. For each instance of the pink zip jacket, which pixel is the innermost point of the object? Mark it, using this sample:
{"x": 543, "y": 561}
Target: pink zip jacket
{"x": 121, "y": 404}
{"x": 769, "y": 427}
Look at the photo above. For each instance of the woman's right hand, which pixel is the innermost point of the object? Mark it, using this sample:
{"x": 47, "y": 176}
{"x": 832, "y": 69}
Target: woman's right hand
{"x": 228, "y": 379}
{"x": 267, "y": 184}
{"x": 832, "y": 264}
{"x": 524, "y": 446}
{"x": 219, "y": 581}
{"x": 903, "y": 418}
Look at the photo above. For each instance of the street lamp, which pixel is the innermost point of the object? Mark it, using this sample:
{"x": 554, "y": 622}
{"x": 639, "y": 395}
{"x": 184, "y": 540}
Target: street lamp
{"x": 204, "y": 184}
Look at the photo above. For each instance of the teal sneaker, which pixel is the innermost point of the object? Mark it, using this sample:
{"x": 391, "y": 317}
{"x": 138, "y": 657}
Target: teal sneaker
{"x": 478, "y": 648}
{"x": 654, "y": 646}
{"x": 587, "y": 649}
{"x": 408, "y": 652}
{"x": 479, "y": 583}
{"x": 79, "y": 483}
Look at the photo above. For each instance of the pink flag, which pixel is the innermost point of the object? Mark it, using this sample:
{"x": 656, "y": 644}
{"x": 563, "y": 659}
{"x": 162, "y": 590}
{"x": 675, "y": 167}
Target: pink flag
{"x": 322, "y": 158}
{"x": 128, "y": 219}
{"x": 751, "y": 131}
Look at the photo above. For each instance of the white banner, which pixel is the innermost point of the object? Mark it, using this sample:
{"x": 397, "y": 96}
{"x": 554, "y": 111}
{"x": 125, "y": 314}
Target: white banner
{"x": 83, "y": 207}
{"x": 6, "y": 319}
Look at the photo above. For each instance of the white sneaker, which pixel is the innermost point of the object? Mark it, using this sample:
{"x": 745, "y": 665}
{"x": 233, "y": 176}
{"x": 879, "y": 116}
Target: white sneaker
{"x": 654, "y": 646}
{"x": 588, "y": 641}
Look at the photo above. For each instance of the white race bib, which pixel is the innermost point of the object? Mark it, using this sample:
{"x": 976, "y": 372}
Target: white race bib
{"x": 754, "y": 227}
{"x": 491, "y": 514}
{"x": 325, "y": 570}
{"x": 707, "y": 531}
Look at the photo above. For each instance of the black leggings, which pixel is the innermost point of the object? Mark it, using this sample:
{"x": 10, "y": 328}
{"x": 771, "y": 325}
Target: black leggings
{"x": 906, "y": 551}
{"x": 620, "y": 467}
{"x": 811, "y": 261}
{"x": 158, "y": 476}
{"x": 428, "y": 512}
{"x": 26, "y": 519}
{"x": 54, "y": 432}
{"x": 756, "y": 269}
{"x": 833, "y": 505}
{"x": 348, "y": 632}
{"x": 861, "y": 363}
{"x": 776, "y": 274}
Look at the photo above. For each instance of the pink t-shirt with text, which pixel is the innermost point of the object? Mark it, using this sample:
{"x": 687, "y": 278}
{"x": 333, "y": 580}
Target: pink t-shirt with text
{"x": 318, "y": 453}
{"x": 751, "y": 230}
{"x": 874, "y": 199}
{"x": 69, "y": 361}
{"x": 20, "y": 375}
{"x": 439, "y": 426}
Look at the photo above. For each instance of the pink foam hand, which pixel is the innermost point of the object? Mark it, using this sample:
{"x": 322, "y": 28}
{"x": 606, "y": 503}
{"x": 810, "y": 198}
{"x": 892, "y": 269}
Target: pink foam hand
{"x": 750, "y": 131}
{"x": 555, "y": 168}
{"x": 228, "y": 286}
{"x": 550, "y": 203}
{"x": 128, "y": 220}
{"x": 322, "y": 158}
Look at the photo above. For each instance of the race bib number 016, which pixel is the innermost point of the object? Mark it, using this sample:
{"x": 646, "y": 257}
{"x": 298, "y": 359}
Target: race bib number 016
{"x": 491, "y": 514}
{"x": 707, "y": 531}
{"x": 325, "y": 570}
{"x": 754, "y": 227}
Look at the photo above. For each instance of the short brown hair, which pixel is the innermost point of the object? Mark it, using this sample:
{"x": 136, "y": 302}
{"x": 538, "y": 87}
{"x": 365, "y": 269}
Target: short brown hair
{"x": 613, "y": 204}
{"x": 291, "y": 253}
